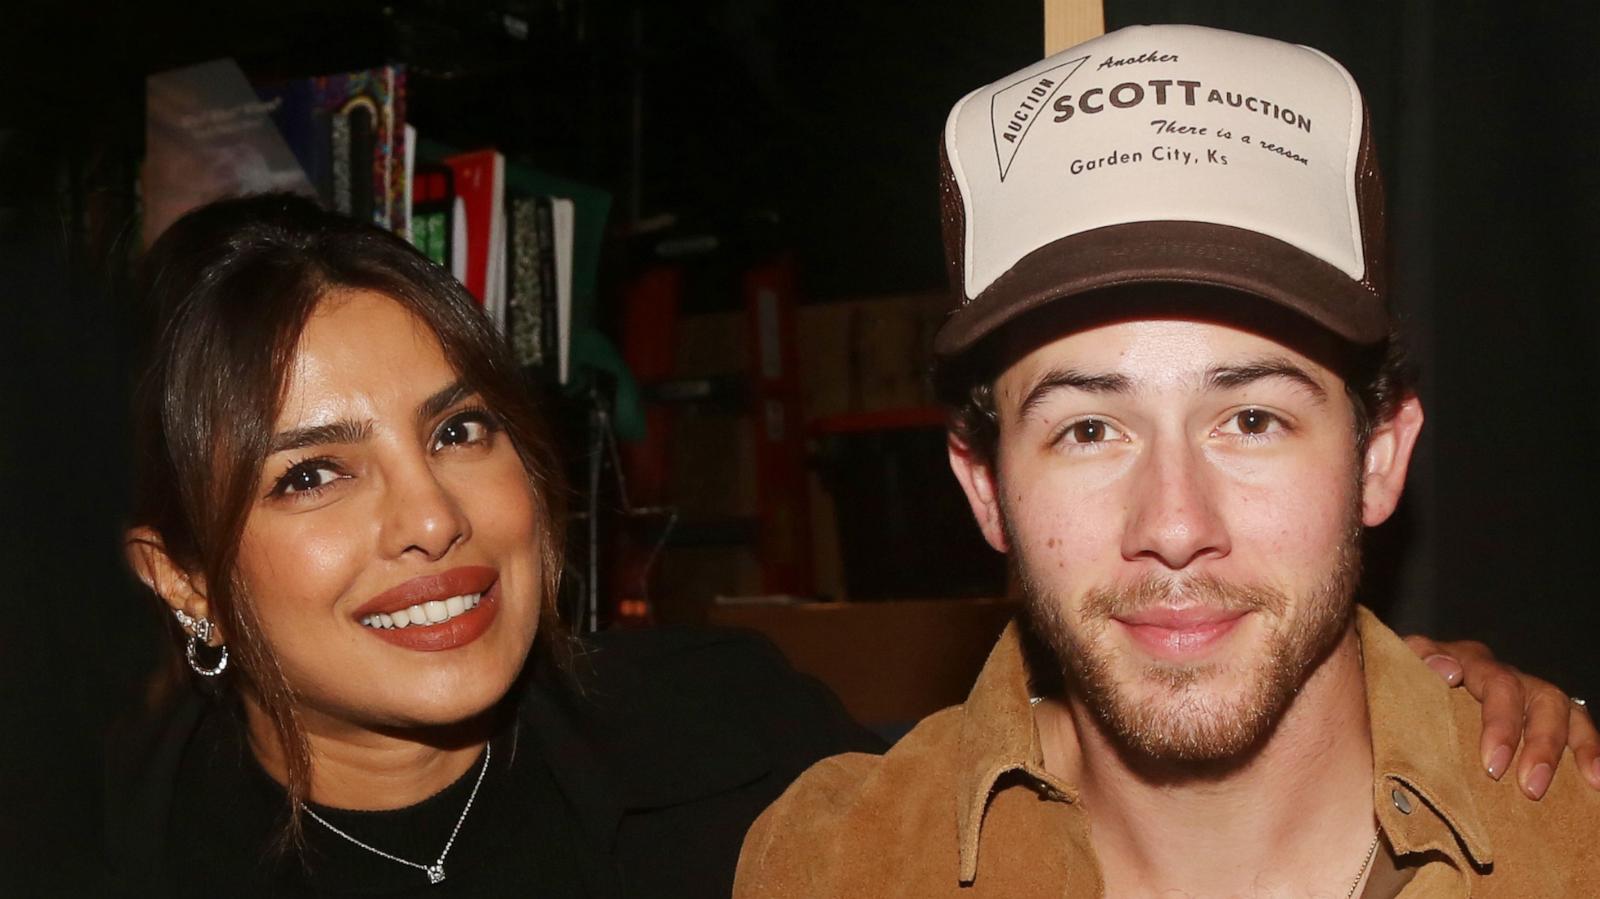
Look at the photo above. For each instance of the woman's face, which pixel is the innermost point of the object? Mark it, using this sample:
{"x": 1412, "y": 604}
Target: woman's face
{"x": 392, "y": 552}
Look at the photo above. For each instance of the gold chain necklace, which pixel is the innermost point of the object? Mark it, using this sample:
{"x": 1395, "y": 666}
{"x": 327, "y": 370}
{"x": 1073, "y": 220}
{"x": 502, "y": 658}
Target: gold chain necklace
{"x": 1372, "y": 853}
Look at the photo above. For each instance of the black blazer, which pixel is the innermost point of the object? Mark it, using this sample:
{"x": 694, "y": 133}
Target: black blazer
{"x": 668, "y": 746}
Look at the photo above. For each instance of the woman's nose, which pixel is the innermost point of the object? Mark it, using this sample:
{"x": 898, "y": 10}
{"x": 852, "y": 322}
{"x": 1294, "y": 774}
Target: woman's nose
{"x": 422, "y": 516}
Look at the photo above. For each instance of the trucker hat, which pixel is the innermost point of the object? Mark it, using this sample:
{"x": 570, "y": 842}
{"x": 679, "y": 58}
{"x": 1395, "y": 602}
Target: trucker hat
{"x": 1165, "y": 154}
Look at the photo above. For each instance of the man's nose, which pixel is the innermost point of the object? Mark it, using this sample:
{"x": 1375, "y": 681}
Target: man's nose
{"x": 1173, "y": 518}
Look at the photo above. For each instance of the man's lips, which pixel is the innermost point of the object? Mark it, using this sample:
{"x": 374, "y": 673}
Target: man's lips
{"x": 1180, "y": 618}
{"x": 1180, "y": 633}
{"x": 455, "y": 582}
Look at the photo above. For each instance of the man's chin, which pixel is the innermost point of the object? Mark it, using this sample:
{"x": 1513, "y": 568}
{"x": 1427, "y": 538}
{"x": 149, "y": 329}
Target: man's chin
{"x": 1190, "y": 713}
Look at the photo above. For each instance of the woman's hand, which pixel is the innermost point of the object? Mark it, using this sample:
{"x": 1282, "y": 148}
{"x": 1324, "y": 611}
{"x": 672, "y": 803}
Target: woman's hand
{"x": 1517, "y": 706}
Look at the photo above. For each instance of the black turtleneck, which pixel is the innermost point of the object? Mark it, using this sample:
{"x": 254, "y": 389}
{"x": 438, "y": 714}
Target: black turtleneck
{"x": 520, "y": 837}
{"x": 632, "y": 776}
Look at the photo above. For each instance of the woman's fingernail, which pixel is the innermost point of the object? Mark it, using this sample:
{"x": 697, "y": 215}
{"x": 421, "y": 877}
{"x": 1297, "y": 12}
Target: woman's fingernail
{"x": 1538, "y": 780}
{"x": 1498, "y": 762}
{"x": 1445, "y": 667}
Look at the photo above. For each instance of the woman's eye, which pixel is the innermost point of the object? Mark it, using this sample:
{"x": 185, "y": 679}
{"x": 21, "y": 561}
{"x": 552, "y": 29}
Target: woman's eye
{"x": 1090, "y": 430}
{"x": 305, "y": 477}
{"x": 465, "y": 429}
{"x": 1253, "y": 422}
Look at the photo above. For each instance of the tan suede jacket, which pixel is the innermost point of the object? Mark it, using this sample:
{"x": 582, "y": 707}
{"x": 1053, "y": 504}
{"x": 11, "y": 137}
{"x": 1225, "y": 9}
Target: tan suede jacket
{"x": 962, "y": 805}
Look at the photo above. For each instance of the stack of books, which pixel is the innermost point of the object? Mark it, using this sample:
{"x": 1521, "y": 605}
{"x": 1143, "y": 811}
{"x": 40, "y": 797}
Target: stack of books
{"x": 510, "y": 234}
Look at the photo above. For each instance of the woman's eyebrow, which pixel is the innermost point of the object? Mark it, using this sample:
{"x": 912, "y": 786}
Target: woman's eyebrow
{"x": 342, "y": 431}
{"x": 430, "y": 408}
{"x": 347, "y": 431}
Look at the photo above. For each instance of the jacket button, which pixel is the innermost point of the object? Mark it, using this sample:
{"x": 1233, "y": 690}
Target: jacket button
{"x": 1401, "y": 801}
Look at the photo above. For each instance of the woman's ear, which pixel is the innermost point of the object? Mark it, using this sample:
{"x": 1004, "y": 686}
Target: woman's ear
{"x": 179, "y": 588}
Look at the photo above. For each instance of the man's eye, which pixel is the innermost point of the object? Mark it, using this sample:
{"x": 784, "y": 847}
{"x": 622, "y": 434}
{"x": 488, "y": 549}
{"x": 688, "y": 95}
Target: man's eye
{"x": 1090, "y": 430}
{"x": 464, "y": 429}
{"x": 1253, "y": 422}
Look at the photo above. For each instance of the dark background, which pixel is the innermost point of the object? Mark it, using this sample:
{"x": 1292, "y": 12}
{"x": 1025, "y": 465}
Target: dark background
{"x": 824, "y": 114}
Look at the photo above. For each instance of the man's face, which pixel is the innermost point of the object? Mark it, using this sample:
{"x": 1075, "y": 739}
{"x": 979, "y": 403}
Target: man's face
{"x": 1182, "y": 501}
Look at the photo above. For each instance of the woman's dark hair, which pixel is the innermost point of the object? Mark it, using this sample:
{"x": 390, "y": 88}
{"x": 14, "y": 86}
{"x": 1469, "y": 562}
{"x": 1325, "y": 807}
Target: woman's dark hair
{"x": 231, "y": 287}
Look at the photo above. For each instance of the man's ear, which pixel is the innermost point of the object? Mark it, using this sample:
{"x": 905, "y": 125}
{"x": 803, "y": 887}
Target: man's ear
{"x": 1383, "y": 470}
{"x": 978, "y": 481}
{"x": 178, "y": 588}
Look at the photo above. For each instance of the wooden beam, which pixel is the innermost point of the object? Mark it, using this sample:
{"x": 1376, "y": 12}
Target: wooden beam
{"x": 1069, "y": 22}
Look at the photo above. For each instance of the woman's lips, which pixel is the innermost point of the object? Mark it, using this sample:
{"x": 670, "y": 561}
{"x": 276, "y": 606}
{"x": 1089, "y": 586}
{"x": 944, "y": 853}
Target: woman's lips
{"x": 1180, "y": 634}
{"x": 434, "y": 612}
{"x": 457, "y": 631}
{"x": 460, "y": 581}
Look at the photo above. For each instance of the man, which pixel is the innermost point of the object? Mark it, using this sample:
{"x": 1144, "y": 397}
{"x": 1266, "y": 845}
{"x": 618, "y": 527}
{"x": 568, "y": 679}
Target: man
{"x": 1176, "y": 402}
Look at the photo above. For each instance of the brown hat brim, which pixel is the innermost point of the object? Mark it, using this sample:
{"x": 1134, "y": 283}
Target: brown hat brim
{"x": 1178, "y": 253}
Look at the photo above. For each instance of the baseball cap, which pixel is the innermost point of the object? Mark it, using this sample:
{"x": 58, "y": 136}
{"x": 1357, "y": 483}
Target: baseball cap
{"x": 1165, "y": 154}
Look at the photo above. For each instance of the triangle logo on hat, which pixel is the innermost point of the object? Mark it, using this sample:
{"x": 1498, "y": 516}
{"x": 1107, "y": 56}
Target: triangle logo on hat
{"x": 1013, "y": 108}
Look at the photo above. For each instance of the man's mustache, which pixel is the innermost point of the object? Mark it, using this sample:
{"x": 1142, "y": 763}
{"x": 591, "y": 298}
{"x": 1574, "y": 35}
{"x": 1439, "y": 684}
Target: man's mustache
{"x": 1208, "y": 591}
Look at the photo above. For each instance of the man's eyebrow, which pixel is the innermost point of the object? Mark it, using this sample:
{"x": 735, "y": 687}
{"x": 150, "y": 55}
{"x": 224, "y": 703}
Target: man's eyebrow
{"x": 343, "y": 431}
{"x": 1071, "y": 379}
{"x": 430, "y": 408}
{"x": 1230, "y": 376}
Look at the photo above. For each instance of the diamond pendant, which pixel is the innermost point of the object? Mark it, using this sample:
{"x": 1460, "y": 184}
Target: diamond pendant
{"x": 435, "y": 873}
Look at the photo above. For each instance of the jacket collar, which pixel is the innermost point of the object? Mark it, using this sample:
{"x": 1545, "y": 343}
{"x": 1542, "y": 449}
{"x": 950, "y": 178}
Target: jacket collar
{"x": 997, "y": 737}
{"x": 1418, "y": 759}
{"x": 1417, "y": 751}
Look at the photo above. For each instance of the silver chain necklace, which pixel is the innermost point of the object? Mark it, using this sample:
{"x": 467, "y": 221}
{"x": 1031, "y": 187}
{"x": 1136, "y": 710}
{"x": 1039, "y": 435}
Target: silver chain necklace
{"x": 434, "y": 871}
{"x": 1372, "y": 853}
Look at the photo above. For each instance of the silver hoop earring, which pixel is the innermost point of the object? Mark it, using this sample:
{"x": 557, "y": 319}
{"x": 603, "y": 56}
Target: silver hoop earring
{"x": 200, "y": 632}
{"x": 194, "y": 661}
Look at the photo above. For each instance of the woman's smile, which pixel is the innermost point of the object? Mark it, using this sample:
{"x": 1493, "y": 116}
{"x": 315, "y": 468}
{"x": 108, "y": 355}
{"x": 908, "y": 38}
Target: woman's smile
{"x": 431, "y": 613}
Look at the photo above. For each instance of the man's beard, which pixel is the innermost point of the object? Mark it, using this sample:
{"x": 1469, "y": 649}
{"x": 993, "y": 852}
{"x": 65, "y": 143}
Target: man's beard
{"x": 1182, "y": 722}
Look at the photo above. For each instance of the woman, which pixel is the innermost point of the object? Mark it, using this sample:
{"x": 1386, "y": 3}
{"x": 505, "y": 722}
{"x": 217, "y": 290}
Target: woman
{"x": 352, "y": 514}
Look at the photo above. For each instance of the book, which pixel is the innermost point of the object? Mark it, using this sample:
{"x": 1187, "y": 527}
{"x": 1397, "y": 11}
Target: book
{"x": 539, "y": 283}
{"x": 433, "y": 205}
{"x": 525, "y": 324}
{"x": 494, "y": 301}
{"x": 563, "y": 216}
{"x": 208, "y": 135}
{"x": 480, "y": 186}
{"x": 349, "y": 133}
{"x": 591, "y": 208}
{"x": 458, "y": 238}
{"x": 408, "y": 175}
{"x": 569, "y": 241}
{"x": 544, "y": 218}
